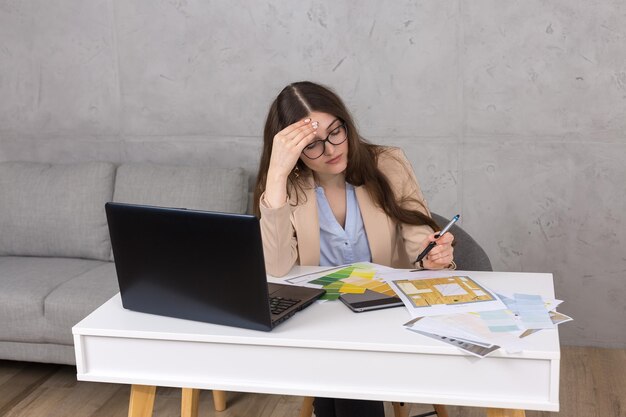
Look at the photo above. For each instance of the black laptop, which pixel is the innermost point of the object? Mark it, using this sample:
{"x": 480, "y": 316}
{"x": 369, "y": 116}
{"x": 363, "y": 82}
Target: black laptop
{"x": 198, "y": 265}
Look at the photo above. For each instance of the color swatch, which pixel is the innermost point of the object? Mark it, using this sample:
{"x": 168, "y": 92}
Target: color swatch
{"x": 353, "y": 279}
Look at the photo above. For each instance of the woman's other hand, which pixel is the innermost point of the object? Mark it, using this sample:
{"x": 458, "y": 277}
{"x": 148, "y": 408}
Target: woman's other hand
{"x": 288, "y": 145}
{"x": 286, "y": 150}
{"x": 442, "y": 255}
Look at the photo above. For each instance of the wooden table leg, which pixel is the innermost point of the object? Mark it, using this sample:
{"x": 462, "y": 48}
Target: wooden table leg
{"x": 505, "y": 412}
{"x": 141, "y": 400}
{"x": 440, "y": 410}
{"x": 189, "y": 402}
{"x": 219, "y": 400}
{"x": 306, "y": 410}
{"x": 400, "y": 409}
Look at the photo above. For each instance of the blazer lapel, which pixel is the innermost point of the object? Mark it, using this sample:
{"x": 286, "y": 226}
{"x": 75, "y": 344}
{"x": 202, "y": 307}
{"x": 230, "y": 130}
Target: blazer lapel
{"x": 377, "y": 227}
{"x": 307, "y": 227}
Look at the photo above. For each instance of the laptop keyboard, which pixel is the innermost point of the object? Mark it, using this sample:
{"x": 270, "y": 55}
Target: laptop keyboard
{"x": 280, "y": 304}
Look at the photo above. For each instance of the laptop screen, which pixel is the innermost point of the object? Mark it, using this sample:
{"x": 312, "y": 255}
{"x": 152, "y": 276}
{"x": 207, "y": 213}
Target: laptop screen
{"x": 190, "y": 264}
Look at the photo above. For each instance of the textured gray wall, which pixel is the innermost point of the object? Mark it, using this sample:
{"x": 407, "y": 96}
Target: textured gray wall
{"x": 512, "y": 113}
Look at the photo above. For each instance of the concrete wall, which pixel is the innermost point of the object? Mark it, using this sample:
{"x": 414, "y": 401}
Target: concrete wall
{"x": 513, "y": 113}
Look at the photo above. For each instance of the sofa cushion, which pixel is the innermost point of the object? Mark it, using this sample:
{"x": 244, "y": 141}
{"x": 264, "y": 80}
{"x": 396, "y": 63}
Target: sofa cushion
{"x": 38, "y": 352}
{"x": 26, "y": 283}
{"x": 55, "y": 210}
{"x": 193, "y": 187}
{"x": 76, "y": 298}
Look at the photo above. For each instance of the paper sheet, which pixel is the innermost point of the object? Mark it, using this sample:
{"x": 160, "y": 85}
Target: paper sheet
{"x": 465, "y": 345}
{"x": 430, "y": 293}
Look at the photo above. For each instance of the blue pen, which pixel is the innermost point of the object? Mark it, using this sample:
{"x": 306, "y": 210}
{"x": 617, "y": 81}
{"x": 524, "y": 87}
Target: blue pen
{"x": 437, "y": 236}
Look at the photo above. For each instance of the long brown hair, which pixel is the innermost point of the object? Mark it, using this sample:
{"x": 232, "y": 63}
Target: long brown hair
{"x": 296, "y": 102}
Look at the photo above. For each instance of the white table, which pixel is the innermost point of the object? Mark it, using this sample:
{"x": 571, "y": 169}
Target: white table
{"x": 325, "y": 350}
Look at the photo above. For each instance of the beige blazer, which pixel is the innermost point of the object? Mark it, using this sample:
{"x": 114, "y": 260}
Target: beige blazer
{"x": 291, "y": 233}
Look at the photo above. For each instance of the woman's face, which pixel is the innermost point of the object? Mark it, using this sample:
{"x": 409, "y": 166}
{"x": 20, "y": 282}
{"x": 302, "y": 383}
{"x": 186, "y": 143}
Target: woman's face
{"x": 334, "y": 159}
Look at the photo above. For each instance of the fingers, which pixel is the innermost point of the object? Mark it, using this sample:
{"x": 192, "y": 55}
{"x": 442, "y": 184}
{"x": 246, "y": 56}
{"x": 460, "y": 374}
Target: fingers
{"x": 304, "y": 137}
{"x": 298, "y": 136}
{"x": 443, "y": 258}
{"x": 446, "y": 239}
{"x": 442, "y": 254}
{"x": 294, "y": 126}
{"x": 288, "y": 145}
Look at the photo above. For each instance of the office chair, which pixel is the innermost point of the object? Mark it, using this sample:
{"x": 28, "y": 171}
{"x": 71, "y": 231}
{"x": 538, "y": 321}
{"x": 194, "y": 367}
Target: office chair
{"x": 468, "y": 256}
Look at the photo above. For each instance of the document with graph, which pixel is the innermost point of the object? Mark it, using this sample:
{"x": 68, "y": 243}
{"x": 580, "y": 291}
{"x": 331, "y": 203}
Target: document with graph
{"x": 430, "y": 293}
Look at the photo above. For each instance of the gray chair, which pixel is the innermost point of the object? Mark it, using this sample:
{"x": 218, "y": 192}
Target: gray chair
{"x": 468, "y": 255}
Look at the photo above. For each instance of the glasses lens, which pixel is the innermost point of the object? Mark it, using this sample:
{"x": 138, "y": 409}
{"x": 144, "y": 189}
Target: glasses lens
{"x": 338, "y": 136}
{"x": 314, "y": 150}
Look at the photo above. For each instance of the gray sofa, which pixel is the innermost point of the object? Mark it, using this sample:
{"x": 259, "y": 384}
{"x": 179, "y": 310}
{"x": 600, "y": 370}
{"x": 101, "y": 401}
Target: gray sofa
{"x": 55, "y": 254}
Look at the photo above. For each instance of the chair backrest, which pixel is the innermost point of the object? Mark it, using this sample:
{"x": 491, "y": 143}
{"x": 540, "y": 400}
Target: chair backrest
{"x": 468, "y": 255}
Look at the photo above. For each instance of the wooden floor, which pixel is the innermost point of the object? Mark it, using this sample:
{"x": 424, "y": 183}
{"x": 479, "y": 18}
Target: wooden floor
{"x": 593, "y": 384}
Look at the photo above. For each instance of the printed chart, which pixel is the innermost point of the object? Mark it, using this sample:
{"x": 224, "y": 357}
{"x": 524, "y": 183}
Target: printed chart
{"x": 446, "y": 290}
{"x": 431, "y": 293}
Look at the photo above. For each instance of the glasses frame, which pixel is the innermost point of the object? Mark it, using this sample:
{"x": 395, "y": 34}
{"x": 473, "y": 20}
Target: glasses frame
{"x": 327, "y": 140}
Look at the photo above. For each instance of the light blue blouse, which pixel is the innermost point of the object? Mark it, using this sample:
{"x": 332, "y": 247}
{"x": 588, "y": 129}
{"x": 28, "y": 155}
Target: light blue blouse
{"x": 339, "y": 246}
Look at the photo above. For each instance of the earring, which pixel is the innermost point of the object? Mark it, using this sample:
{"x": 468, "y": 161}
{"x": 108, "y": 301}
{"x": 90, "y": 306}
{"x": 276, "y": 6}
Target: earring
{"x": 296, "y": 171}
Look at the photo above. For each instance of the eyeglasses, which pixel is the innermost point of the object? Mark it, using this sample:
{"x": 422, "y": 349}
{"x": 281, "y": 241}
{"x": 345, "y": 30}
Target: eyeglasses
{"x": 336, "y": 137}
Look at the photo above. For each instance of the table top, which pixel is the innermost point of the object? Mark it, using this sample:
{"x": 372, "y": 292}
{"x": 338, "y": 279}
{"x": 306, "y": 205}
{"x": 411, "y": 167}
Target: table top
{"x": 325, "y": 350}
{"x": 325, "y": 325}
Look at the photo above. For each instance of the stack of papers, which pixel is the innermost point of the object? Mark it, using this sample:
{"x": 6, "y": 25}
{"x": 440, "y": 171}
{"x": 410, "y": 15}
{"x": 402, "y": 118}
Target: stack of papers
{"x": 451, "y": 307}
{"x": 460, "y": 311}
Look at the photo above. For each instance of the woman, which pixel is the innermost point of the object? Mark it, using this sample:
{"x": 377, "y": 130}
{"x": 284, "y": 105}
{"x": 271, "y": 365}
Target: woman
{"x": 325, "y": 196}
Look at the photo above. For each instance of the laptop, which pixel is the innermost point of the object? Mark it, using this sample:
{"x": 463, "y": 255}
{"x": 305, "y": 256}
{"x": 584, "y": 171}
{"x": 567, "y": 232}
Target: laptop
{"x": 198, "y": 265}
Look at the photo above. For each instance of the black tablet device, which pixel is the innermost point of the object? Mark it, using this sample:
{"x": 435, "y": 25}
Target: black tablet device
{"x": 369, "y": 301}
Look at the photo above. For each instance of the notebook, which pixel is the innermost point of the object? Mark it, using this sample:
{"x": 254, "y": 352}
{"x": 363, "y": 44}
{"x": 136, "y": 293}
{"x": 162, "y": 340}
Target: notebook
{"x": 369, "y": 301}
{"x": 198, "y": 265}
